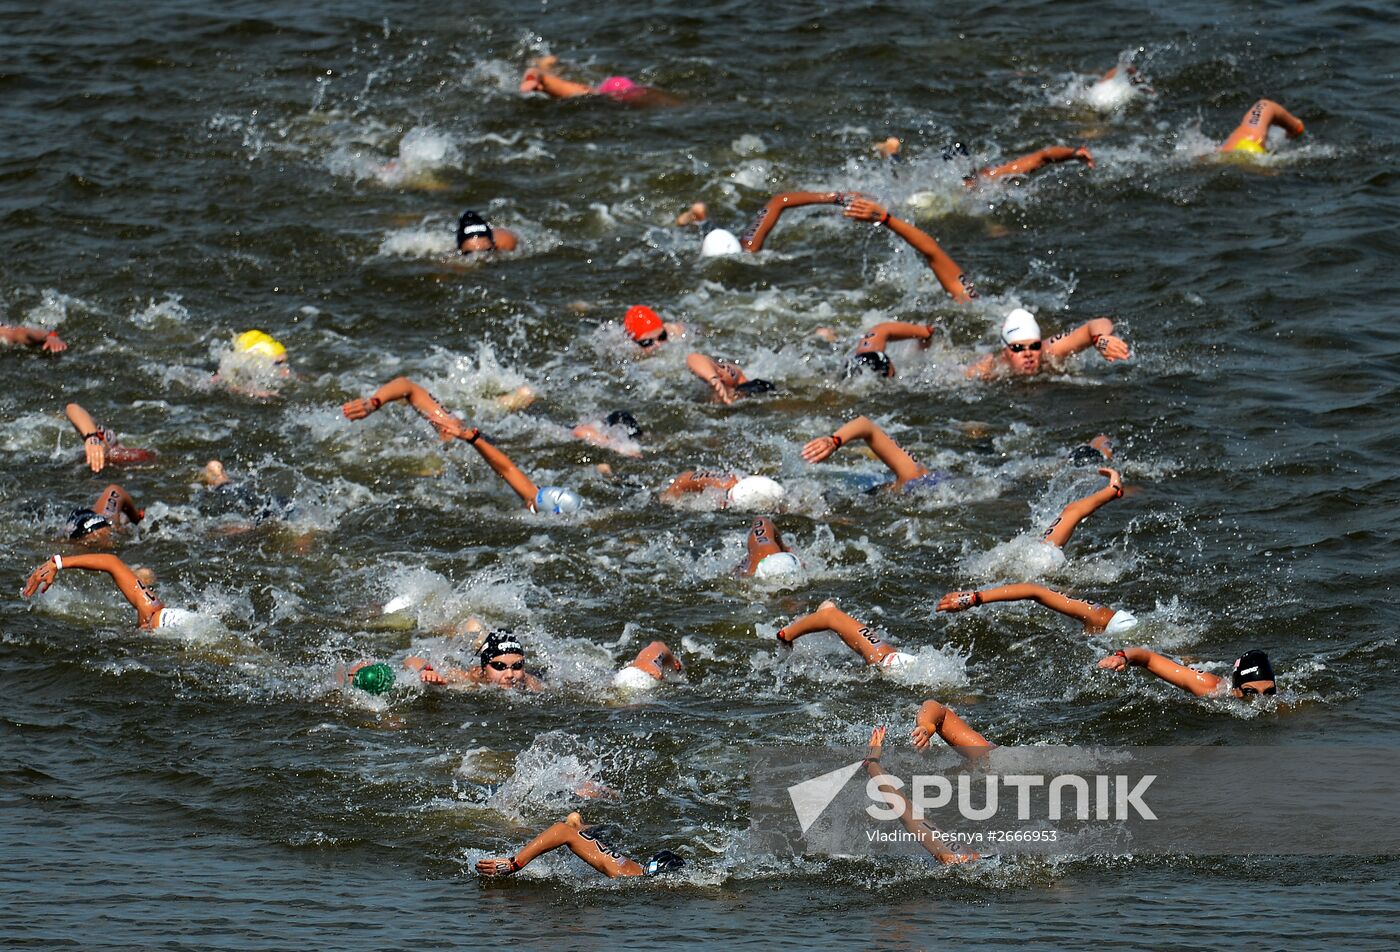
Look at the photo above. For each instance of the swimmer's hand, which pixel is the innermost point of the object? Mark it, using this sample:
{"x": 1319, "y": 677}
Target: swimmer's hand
{"x": 532, "y": 82}
{"x": 53, "y": 344}
{"x": 958, "y": 601}
{"x": 40, "y": 579}
{"x": 1118, "y": 661}
{"x": 1115, "y": 482}
{"x": 863, "y": 209}
{"x": 819, "y": 449}
{"x": 95, "y": 448}
{"x": 877, "y": 741}
{"x": 497, "y": 867}
{"x": 1085, "y": 156}
{"x": 359, "y": 409}
{"x": 1112, "y": 348}
{"x": 723, "y": 392}
{"x": 921, "y": 736}
{"x": 426, "y": 673}
{"x": 786, "y": 642}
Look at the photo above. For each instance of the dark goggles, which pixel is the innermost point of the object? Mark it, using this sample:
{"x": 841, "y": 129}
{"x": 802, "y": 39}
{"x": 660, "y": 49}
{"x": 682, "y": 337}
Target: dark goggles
{"x": 1017, "y": 348}
{"x": 502, "y": 666}
{"x": 648, "y": 341}
{"x": 1255, "y": 692}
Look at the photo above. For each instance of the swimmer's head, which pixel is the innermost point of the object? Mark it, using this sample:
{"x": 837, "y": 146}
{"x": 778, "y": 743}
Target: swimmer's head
{"x": 557, "y": 500}
{"x": 1252, "y": 146}
{"x": 503, "y": 659}
{"x": 719, "y": 243}
{"x": 1252, "y": 675}
{"x": 755, "y": 492}
{"x": 1086, "y": 455}
{"x": 776, "y": 565}
{"x": 1021, "y": 341}
{"x": 663, "y": 862}
{"x": 260, "y": 342}
{"x": 644, "y": 326}
{"x": 87, "y": 527}
{"x": 618, "y": 87}
{"x": 870, "y": 361}
{"x": 473, "y": 234}
{"x": 374, "y": 678}
{"x": 213, "y": 473}
{"x": 625, "y": 420}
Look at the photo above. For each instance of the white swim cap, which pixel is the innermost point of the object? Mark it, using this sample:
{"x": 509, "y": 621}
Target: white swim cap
{"x": 633, "y": 678}
{"x": 775, "y": 564}
{"x": 755, "y": 492}
{"x": 557, "y": 500}
{"x": 898, "y": 660}
{"x": 398, "y": 603}
{"x": 1110, "y": 94}
{"x": 719, "y": 242}
{"x": 1019, "y": 325}
{"x": 1120, "y": 622}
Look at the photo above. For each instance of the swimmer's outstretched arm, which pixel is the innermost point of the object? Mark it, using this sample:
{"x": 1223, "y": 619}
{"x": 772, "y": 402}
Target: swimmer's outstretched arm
{"x": 1199, "y": 683}
{"x": 1093, "y": 617}
{"x": 863, "y": 428}
{"x": 1076, "y": 512}
{"x": 945, "y": 269}
{"x": 926, "y": 835}
{"x": 94, "y": 439}
{"x": 857, "y": 636}
{"x": 141, "y": 598}
{"x": 540, "y": 77}
{"x": 1038, "y": 159}
{"x": 656, "y": 659}
{"x": 720, "y": 375}
{"x": 401, "y": 388}
{"x": 573, "y": 834}
{"x": 516, "y": 479}
{"x": 33, "y": 337}
{"x": 696, "y": 481}
{"x": 941, "y": 720}
{"x": 881, "y": 334}
{"x": 767, "y": 218}
{"x": 115, "y": 500}
{"x": 1256, "y": 122}
{"x": 1096, "y": 333}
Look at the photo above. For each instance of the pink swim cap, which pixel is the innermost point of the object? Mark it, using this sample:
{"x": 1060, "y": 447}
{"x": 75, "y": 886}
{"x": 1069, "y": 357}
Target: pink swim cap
{"x": 616, "y": 86}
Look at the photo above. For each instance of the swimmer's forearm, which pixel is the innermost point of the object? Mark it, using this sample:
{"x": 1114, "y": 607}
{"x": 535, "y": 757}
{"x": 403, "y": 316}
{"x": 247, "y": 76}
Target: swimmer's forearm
{"x": 500, "y": 462}
{"x": 903, "y": 330}
{"x": 121, "y": 574}
{"x": 82, "y": 421}
{"x": 1198, "y": 683}
{"x": 26, "y": 336}
{"x": 767, "y": 219}
{"x": 945, "y": 269}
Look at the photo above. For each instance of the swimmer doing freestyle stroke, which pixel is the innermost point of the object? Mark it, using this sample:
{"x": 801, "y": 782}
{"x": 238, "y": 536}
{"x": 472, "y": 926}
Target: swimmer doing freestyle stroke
{"x": 856, "y": 635}
{"x": 113, "y": 511}
{"x": 1024, "y": 351}
{"x": 100, "y": 444}
{"x": 718, "y": 241}
{"x": 151, "y": 612}
{"x": 1252, "y": 134}
{"x": 588, "y": 844}
{"x": 1251, "y": 678}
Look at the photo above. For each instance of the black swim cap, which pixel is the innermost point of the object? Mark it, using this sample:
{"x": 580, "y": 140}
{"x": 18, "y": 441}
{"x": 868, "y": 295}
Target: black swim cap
{"x": 472, "y": 225}
{"x": 83, "y": 522}
{"x": 1086, "y": 455}
{"x": 499, "y": 643}
{"x": 663, "y": 862}
{"x": 751, "y": 387}
{"x": 870, "y": 361}
{"x": 1251, "y": 666}
{"x": 625, "y": 420}
{"x": 953, "y": 150}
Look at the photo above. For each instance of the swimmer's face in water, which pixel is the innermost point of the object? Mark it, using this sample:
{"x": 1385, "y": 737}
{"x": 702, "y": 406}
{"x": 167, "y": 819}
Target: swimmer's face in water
{"x": 1254, "y": 689}
{"x": 1023, "y": 356}
{"x": 507, "y": 670}
{"x": 476, "y": 244}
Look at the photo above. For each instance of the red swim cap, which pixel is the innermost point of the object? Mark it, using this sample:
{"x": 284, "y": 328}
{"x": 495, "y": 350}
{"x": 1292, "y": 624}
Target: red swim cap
{"x": 641, "y": 321}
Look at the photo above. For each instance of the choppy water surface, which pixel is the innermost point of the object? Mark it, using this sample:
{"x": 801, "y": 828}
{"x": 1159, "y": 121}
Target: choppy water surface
{"x": 176, "y": 173}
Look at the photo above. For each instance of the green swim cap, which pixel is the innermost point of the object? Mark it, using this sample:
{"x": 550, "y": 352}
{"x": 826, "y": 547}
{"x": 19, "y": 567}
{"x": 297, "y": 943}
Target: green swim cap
{"x": 374, "y": 678}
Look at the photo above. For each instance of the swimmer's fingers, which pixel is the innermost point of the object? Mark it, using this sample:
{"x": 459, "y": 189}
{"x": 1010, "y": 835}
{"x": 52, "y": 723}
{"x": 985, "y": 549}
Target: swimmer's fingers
{"x": 1085, "y": 156}
{"x": 356, "y": 409}
{"x": 863, "y": 209}
{"x": 819, "y": 449}
{"x": 1114, "y": 480}
{"x": 722, "y": 391}
{"x": 1113, "y": 662}
{"x": 429, "y": 676}
{"x": 877, "y": 741}
{"x": 53, "y": 345}
{"x": 957, "y": 601}
{"x": 495, "y": 867}
{"x": 921, "y": 737}
{"x": 1113, "y": 348}
{"x": 39, "y": 580}
{"x": 96, "y": 451}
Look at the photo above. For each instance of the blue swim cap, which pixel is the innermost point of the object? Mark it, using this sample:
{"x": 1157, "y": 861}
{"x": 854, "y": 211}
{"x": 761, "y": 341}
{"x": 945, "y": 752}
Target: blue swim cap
{"x": 557, "y": 500}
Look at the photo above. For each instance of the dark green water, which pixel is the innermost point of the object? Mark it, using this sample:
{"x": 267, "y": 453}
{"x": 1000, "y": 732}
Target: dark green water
{"x": 176, "y": 173}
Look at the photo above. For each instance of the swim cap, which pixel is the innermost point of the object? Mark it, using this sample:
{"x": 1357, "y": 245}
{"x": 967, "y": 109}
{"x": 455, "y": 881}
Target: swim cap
{"x": 1086, "y": 455}
{"x": 776, "y": 564}
{"x": 557, "y": 500}
{"x": 616, "y": 86}
{"x": 641, "y": 321}
{"x": 84, "y": 521}
{"x": 750, "y": 387}
{"x": 472, "y": 225}
{"x": 374, "y": 678}
{"x": 260, "y": 342}
{"x": 1019, "y": 325}
{"x": 1120, "y": 622}
{"x": 952, "y": 151}
{"x": 1251, "y": 666}
{"x": 718, "y": 243}
{"x": 755, "y": 492}
{"x": 898, "y": 660}
{"x": 500, "y": 643}
{"x": 625, "y": 420}
{"x": 870, "y": 361}
{"x": 633, "y": 678}
{"x": 1249, "y": 145}
{"x": 663, "y": 862}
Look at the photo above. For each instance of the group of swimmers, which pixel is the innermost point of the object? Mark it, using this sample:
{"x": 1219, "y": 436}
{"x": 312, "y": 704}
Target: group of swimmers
{"x": 500, "y": 656}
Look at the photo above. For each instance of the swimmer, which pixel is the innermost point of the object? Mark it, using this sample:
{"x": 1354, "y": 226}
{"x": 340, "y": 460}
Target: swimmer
{"x": 112, "y": 511}
{"x": 726, "y": 379}
{"x": 1023, "y": 351}
{"x": 100, "y": 444}
{"x": 747, "y": 492}
{"x": 502, "y": 665}
{"x": 908, "y": 474}
{"x": 151, "y": 613}
{"x": 585, "y": 842}
{"x": 944, "y": 268}
{"x": 257, "y": 506}
{"x": 1096, "y": 619}
{"x": 769, "y": 556}
{"x": 32, "y": 337}
{"x": 257, "y": 362}
{"x": 1076, "y": 512}
{"x": 869, "y": 355}
{"x": 927, "y": 835}
{"x": 540, "y": 77}
{"x": 618, "y": 432}
{"x": 1029, "y": 163}
{"x": 857, "y": 636}
{"x": 939, "y": 720}
{"x": 1252, "y": 134}
{"x": 718, "y": 241}
{"x": 648, "y": 330}
{"x": 1252, "y": 676}
{"x": 1115, "y": 88}
{"x": 552, "y": 499}
{"x": 475, "y": 236}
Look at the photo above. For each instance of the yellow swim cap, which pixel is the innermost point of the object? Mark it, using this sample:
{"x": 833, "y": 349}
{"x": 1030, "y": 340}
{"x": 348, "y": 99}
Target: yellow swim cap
{"x": 1249, "y": 145}
{"x": 260, "y": 342}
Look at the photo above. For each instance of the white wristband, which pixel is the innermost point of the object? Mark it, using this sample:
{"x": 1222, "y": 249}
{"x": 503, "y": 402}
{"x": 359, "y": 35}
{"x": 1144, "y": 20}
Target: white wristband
{"x": 57, "y": 562}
